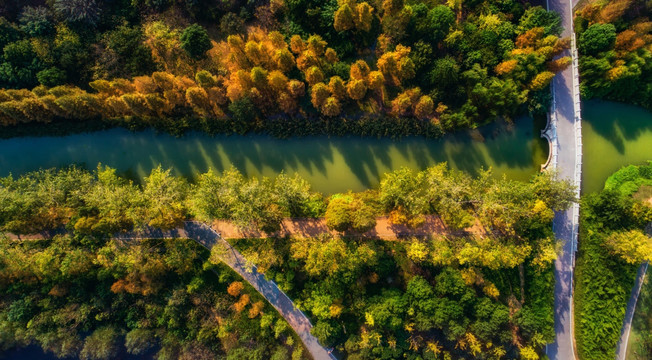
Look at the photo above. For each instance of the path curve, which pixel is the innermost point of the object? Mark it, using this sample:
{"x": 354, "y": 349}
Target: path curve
{"x": 621, "y": 350}
{"x": 207, "y": 237}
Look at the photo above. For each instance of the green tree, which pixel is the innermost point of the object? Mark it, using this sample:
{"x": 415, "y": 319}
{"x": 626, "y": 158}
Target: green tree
{"x": 195, "y": 41}
{"x": 597, "y": 38}
{"x": 36, "y": 21}
{"x": 539, "y": 17}
{"x": 124, "y": 54}
{"x": 51, "y": 77}
{"x": 164, "y": 197}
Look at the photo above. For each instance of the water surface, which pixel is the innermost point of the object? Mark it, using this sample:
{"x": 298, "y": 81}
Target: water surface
{"x": 614, "y": 135}
{"x": 329, "y": 164}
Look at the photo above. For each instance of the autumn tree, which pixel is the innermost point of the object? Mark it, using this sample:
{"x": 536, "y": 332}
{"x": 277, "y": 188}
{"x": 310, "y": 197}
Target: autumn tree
{"x": 634, "y": 247}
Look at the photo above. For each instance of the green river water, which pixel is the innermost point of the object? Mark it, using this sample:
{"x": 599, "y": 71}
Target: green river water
{"x": 614, "y": 135}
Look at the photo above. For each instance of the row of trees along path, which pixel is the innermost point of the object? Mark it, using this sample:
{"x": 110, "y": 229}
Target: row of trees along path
{"x": 210, "y": 236}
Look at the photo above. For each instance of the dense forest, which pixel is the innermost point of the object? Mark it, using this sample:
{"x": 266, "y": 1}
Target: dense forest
{"x": 614, "y": 41}
{"x": 612, "y": 245}
{"x": 487, "y": 293}
{"x": 286, "y": 67}
{"x": 82, "y": 297}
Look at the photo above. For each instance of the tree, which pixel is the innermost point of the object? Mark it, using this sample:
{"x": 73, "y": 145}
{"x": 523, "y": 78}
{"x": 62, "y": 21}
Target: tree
{"x": 36, "y": 21}
{"x": 633, "y": 246}
{"x": 195, "y": 41}
{"x": 344, "y": 18}
{"x": 230, "y": 23}
{"x": 314, "y": 75}
{"x": 20, "y": 65}
{"x": 51, "y": 77}
{"x": 438, "y": 23}
{"x": 102, "y": 344}
{"x": 124, "y": 54}
{"x": 164, "y": 196}
{"x": 363, "y": 16}
{"x": 539, "y": 17}
{"x": 331, "y": 107}
{"x": 338, "y": 215}
{"x": 318, "y": 95}
{"x": 244, "y": 113}
{"x": 356, "y": 89}
{"x": 404, "y": 191}
{"x": 597, "y": 38}
{"x": 139, "y": 341}
{"x": 424, "y": 107}
{"x": 84, "y": 11}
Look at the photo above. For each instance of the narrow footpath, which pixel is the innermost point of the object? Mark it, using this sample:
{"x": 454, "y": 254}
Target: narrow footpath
{"x": 567, "y": 132}
{"x": 621, "y": 349}
{"x": 206, "y": 236}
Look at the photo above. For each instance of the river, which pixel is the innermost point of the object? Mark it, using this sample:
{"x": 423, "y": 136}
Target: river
{"x": 329, "y": 164}
{"x": 614, "y": 135}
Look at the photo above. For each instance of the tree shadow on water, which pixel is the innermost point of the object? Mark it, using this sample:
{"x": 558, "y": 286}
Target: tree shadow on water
{"x": 616, "y": 122}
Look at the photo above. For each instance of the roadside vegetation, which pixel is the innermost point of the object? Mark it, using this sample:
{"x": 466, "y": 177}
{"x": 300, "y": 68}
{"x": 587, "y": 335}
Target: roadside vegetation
{"x": 614, "y": 43}
{"x": 612, "y": 245}
{"x": 482, "y": 296}
{"x": 296, "y": 67}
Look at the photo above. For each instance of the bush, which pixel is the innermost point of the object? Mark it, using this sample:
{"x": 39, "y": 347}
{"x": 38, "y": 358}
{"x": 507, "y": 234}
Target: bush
{"x": 195, "y": 41}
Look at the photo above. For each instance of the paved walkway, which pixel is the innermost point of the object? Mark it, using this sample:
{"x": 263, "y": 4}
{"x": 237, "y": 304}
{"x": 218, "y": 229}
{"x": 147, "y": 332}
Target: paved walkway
{"x": 621, "y": 349}
{"x": 565, "y": 224}
{"x": 207, "y": 237}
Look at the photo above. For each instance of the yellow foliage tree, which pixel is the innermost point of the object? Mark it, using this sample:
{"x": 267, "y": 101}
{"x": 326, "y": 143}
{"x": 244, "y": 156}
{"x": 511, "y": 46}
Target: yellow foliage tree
{"x": 541, "y": 80}
{"x": 331, "y": 107}
{"x": 356, "y": 89}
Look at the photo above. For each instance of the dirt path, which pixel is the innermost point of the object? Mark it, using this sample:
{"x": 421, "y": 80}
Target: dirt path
{"x": 384, "y": 230}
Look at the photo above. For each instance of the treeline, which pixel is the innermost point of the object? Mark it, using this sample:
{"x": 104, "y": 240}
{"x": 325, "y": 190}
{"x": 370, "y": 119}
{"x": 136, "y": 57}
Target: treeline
{"x": 612, "y": 245}
{"x": 101, "y": 203}
{"x": 75, "y": 296}
{"x": 614, "y": 40}
{"x": 413, "y": 68}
